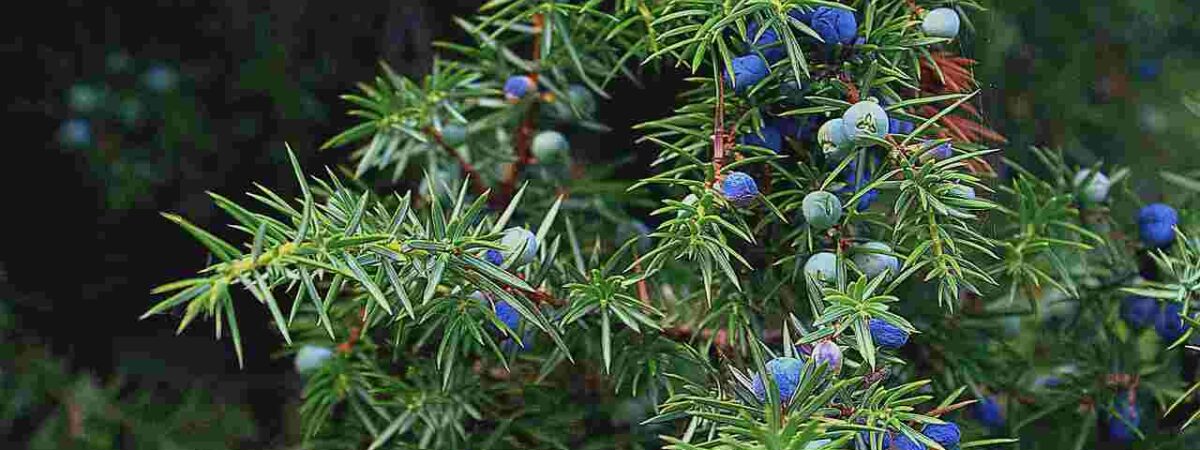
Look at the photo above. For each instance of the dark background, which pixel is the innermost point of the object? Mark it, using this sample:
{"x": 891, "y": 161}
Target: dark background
{"x": 80, "y": 252}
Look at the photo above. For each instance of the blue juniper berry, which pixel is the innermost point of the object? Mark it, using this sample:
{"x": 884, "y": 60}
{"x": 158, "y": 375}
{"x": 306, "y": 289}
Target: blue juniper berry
{"x": 941, "y": 22}
{"x": 739, "y": 188}
{"x": 767, "y": 42}
{"x": 748, "y": 70}
{"x": 786, "y": 373}
{"x": 1155, "y": 225}
{"x": 874, "y": 258}
{"x": 834, "y": 25}
{"x": 902, "y": 442}
{"x": 768, "y": 137}
{"x": 1118, "y": 428}
{"x": 887, "y": 335}
{"x": 1138, "y": 311}
{"x": 947, "y": 435}
{"x": 1169, "y": 323}
{"x": 829, "y": 353}
{"x": 987, "y": 411}
{"x": 518, "y": 86}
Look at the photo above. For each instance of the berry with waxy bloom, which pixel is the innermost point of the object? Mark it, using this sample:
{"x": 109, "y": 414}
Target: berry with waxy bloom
{"x": 887, "y": 335}
{"x": 766, "y": 41}
{"x": 786, "y": 373}
{"x": 822, "y": 267}
{"x": 941, "y": 22}
{"x": 874, "y": 258}
{"x": 549, "y": 146}
{"x": 521, "y": 242}
{"x": 1096, "y": 188}
{"x": 821, "y": 209}
{"x": 311, "y": 357}
{"x": 829, "y": 353}
{"x": 864, "y": 119}
{"x": 739, "y": 188}
{"x": 833, "y": 139}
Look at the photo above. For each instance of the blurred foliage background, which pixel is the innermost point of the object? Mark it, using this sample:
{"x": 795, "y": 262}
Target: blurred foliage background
{"x": 124, "y": 110}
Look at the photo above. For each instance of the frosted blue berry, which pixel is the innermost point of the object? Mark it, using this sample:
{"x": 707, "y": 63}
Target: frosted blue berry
{"x": 748, "y": 70}
{"x": 834, "y": 25}
{"x": 902, "y": 442}
{"x": 518, "y": 86}
{"x": 786, "y": 372}
{"x": 814, "y": 445}
{"x": 1138, "y": 311}
{"x": 1117, "y": 429}
{"x": 521, "y": 242}
{"x": 768, "y": 137}
{"x": 550, "y": 146}
{"x": 827, "y": 352}
{"x": 833, "y": 139}
{"x": 494, "y": 257}
{"x": 1096, "y": 188}
{"x": 821, "y": 209}
{"x": 76, "y": 132}
{"x": 887, "y": 335}
{"x": 767, "y": 42}
{"x": 947, "y": 435}
{"x": 822, "y": 267}
{"x": 739, "y": 188}
{"x": 1169, "y": 323}
{"x": 1155, "y": 225}
{"x": 960, "y": 191}
{"x": 874, "y": 258}
{"x": 864, "y": 119}
{"x": 311, "y": 357}
{"x": 941, "y": 22}
{"x": 507, "y": 315}
{"x": 160, "y": 78}
{"x": 988, "y": 412}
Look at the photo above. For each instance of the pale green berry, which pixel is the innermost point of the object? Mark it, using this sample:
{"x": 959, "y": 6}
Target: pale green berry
{"x": 522, "y": 242}
{"x": 833, "y": 139}
{"x": 865, "y": 119}
{"x": 821, "y": 209}
{"x": 822, "y": 267}
{"x": 550, "y": 146}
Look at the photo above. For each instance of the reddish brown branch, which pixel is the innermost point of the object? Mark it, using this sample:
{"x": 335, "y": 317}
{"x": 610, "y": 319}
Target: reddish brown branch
{"x": 852, "y": 93}
{"x": 524, "y": 136}
{"x": 467, "y": 168}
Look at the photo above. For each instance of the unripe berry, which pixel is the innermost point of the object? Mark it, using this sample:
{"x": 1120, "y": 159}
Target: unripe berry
{"x": 583, "y": 99}
{"x": 550, "y": 146}
{"x": 454, "y": 135}
{"x": 748, "y": 70}
{"x": 962, "y": 191}
{"x": 865, "y": 118}
{"x": 690, "y": 200}
{"x": 311, "y": 357}
{"x": 941, "y": 22}
{"x": 1138, "y": 311}
{"x": 1169, "y": 323}
{"x": 833, "y": 139}
{"x": 821, "y": 209}
{"x": 1096, "y": 189}
{"x": 947, "y": 435}
{"x": 822, "y": 267}
{"x": 827, "y": 352}
{"x": 814, "y": 445}
{"x": 739, "y": 188}
{"x": 84, "y": 98}
{"x": 1156, "y": 225}
{"x": 874, "y": 258}
{"x": 768, "y": 137}
{"x": 786, "y": 372}
{"x": 887, "y": 335}
{"x": 834, "y": 25}
{"x": 518, "y": 86}
{"x": 522, "y": 242}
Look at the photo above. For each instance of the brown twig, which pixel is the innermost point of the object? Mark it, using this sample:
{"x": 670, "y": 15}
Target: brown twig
{"x": 852, "y": 93}
{"x": 524, "y": 136}
{"x": 467, "y": 168}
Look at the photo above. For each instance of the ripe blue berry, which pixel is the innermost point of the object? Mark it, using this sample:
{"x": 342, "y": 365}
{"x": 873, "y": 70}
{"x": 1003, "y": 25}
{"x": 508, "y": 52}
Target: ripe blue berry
{"x": 494, "y": 256}
{"x": 939, "y": 151}
{"x": 1138, "y": 311}
{"x": 897, "y": 126}
{"x": 854, "y": 185}
{"x": 1169, "y": 323}
{"x": 507, "y": 315}
{"x": 311, "y": 357}
{"x": 902, "y": 442}
{"x": 834, "y": 25}
{"x": 767, "y": 42}
{"x": 1117, "y": 428}
{"x": 518, "y": 86}
{"x": 827, "y": 352}
{"x": 768, "y": 137}
{"x": 1156, "y": 224}
{"x": 160, "y": 78}
{"x": 833, "y": 139}
{"x": 865, "y": 118}
{"x": 549, "y": 146}
{"x": 887, "y": 335}
{"x": 1096, "y": 189}
{"x": 941, "y": 22}
{"x": 748, "y": 70}
{"x": 822, "y": 267}
{"x": 874, "y": 258}
{"x": 739, "y": 188}
{"x": 821, "y": 209}
{"x": 947, "y": 435}
{"x": 76, "y": 132}
{"x": 987, "y": 412}
{"x": 786, "y": 372}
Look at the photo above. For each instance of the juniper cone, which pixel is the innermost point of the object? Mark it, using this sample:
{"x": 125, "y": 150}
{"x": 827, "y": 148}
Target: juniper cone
{"x": 855, "y": 98}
